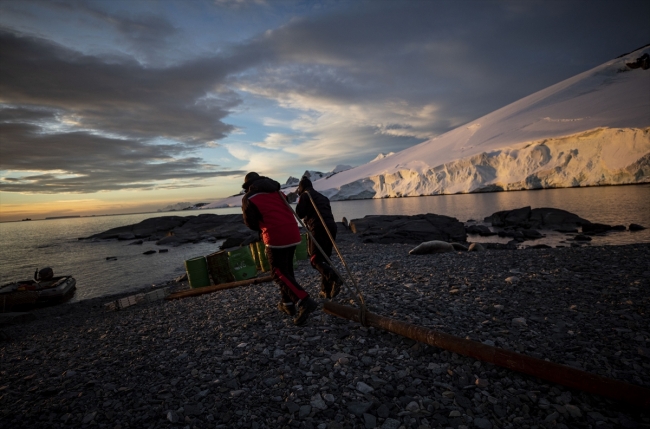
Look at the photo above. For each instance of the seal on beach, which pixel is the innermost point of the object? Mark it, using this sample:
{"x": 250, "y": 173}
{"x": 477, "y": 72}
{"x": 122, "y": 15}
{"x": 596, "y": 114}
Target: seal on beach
{"x": 476, "y": 247}
{"x": 435, "y": 246}
{"x": 460, "y": 247}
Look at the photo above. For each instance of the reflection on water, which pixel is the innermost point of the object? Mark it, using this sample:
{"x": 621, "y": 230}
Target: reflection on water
{"x": 37, "y": 244}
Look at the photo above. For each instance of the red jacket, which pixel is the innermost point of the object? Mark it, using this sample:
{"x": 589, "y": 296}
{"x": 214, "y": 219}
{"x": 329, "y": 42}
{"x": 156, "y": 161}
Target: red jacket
{"x": 264, "y": 210}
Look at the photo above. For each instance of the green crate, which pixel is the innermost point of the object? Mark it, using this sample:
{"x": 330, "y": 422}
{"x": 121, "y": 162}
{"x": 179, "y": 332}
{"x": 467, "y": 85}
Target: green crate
{"x": 261, "y": 255}
{"x": 242, "y": 265}
{"x": 301, "y": 250}
{"x": 197, "y": 272}
{"x": 219, "y": 267}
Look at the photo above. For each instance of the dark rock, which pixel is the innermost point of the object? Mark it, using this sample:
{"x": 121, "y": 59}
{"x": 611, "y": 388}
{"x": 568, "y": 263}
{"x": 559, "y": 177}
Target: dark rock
{"x": 387, "y": 229}
{"x": 370, "y": 421}
{"x": 532, "y": 234}
{"x": 481, "y": 230}
{"x": 636, "y": 227}
{"x": 595, "y": 228}
{"x": 619, "y": 228}
{"x": 163, "y": 250}
{"x": 476, "y": 247}
{"x": 566, "y": 230}
{"x": 383, "y": 411}
{"x": 111, "y": 258}
{"x": 149, "y": 252}
{"x": 177, "y": 230}
{"x": 239, "y": 239}
{"x": 359, "y": 408}
{"x": 541, "y": 246}
{"x": 541, "y": 218}
{"x": 581, "y": 237}
{"x": 172, "y": 241}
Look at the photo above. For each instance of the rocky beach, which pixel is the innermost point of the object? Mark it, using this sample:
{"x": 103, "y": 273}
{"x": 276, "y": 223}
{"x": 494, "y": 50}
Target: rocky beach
{"x": 231, "y": 359}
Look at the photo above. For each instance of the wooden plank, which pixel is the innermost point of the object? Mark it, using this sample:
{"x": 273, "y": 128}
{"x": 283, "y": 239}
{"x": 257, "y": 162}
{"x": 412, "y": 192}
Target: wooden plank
{"x": 561, "y": 374}
{"x": 216, "y": 288}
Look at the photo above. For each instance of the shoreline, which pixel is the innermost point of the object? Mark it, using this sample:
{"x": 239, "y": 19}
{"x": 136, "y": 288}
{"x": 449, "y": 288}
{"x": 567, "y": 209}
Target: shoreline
{"x": 230, "y": 359}
{"x": 357, "y": 199}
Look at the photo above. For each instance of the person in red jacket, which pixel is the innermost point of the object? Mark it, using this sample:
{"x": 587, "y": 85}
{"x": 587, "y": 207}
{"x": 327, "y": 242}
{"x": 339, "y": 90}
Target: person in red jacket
{"x": 265, "y": 211}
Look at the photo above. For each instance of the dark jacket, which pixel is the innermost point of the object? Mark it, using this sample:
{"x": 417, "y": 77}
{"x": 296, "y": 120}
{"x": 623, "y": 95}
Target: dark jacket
{"x": 305, "y": 210}
{"x": 264, "y": 210}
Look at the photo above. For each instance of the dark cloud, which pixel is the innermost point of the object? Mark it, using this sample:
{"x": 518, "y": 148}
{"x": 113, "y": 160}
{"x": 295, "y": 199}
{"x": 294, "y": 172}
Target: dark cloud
{"x": 469, "y": 58}
{"x": 122, "y": 97}
{"x": 49, "y": 90}
{"x": 79, "y": 162}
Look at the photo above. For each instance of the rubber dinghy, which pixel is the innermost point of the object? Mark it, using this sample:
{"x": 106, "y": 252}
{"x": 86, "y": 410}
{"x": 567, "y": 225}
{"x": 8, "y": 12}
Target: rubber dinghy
{"x": 31, "y": 293}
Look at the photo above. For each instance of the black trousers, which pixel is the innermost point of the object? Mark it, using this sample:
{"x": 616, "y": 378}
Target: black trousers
{"x": 318, "y": 261}
{"x": 281, "y": 261}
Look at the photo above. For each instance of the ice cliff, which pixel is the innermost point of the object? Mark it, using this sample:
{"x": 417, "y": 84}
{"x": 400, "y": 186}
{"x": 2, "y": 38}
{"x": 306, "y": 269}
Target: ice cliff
{"x": 592, "y": 129}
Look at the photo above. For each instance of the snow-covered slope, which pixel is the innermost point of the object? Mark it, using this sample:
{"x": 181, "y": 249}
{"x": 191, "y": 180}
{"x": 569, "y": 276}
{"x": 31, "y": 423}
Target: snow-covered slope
{"x": 591, "y": 129}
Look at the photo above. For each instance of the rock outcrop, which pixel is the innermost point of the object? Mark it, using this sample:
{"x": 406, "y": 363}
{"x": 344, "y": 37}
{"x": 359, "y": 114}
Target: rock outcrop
{"x": 415, "y": 229}
{"x": 177, "y": 230}
{"x": 542, "y": 218}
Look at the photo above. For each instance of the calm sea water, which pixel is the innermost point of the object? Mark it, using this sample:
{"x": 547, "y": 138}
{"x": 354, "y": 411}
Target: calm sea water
{"x": 54, "y": 243}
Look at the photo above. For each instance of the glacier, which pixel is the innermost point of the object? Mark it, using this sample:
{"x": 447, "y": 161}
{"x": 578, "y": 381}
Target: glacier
{"x": 590, "y": 130}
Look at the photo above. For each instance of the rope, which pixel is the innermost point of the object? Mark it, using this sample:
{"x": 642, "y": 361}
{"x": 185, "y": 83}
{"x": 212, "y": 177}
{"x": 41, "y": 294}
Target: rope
{"x": 362, "y": 304}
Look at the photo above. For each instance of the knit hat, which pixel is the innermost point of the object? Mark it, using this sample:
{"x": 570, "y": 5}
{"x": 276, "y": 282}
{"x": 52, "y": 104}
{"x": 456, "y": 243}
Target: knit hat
{"x": 304, "y": 185}
{"x": 250, "y": 178}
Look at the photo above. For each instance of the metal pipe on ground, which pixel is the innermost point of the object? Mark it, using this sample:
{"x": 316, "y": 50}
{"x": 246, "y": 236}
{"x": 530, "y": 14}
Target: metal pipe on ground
{"x": 216, "y": 288}
{"x": 556, "y": 373}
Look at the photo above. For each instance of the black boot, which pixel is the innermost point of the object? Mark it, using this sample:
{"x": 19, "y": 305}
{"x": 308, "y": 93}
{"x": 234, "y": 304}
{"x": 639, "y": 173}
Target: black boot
{"x": 336, "y": 287}
{"x": 287, "y": 307}
{"x": 305, "y": 307}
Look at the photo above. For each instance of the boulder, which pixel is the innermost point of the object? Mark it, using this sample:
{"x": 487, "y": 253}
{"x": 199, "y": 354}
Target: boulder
{"x": 581, "y": 237}
{"x": 532, "y": 234}
{"x": 540, "y": 218}
{"x": 636, "y": 227}
{"x": 595, "y": 228}
{"x": 541, "y": 246}
{"x": 171, "y": 240}
{"x": 387, "y": 229}
{"x": 177, "y": 230}
{"x": 476, "y": 247}
{"x": 481, "y": 230}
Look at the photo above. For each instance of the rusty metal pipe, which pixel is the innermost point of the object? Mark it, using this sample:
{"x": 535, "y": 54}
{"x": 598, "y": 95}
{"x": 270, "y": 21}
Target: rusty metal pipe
{"x": 215, "y": 288}
{"x": 556, "y": 373}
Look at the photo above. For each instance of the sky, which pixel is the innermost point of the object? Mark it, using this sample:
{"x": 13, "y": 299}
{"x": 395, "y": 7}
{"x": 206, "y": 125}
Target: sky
{"x": 128, "y": 106}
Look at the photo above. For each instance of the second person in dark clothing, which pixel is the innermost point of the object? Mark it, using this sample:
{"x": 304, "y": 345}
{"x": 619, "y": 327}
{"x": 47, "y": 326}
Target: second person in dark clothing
{"x": 330, "y": 281}
{"x": 265, "y": 210}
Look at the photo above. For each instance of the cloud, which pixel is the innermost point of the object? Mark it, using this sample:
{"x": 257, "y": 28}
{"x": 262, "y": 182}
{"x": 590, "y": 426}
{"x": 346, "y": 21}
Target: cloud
{"x": 276, "y": 141}
{"x": 101, "y": 120}
{"x": 186, "y": 103}
{"x": 80, "y": 162}
{"x": 382, "y": 76}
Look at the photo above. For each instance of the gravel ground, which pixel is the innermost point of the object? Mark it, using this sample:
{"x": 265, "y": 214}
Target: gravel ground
{"x": 230, "y": 359}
